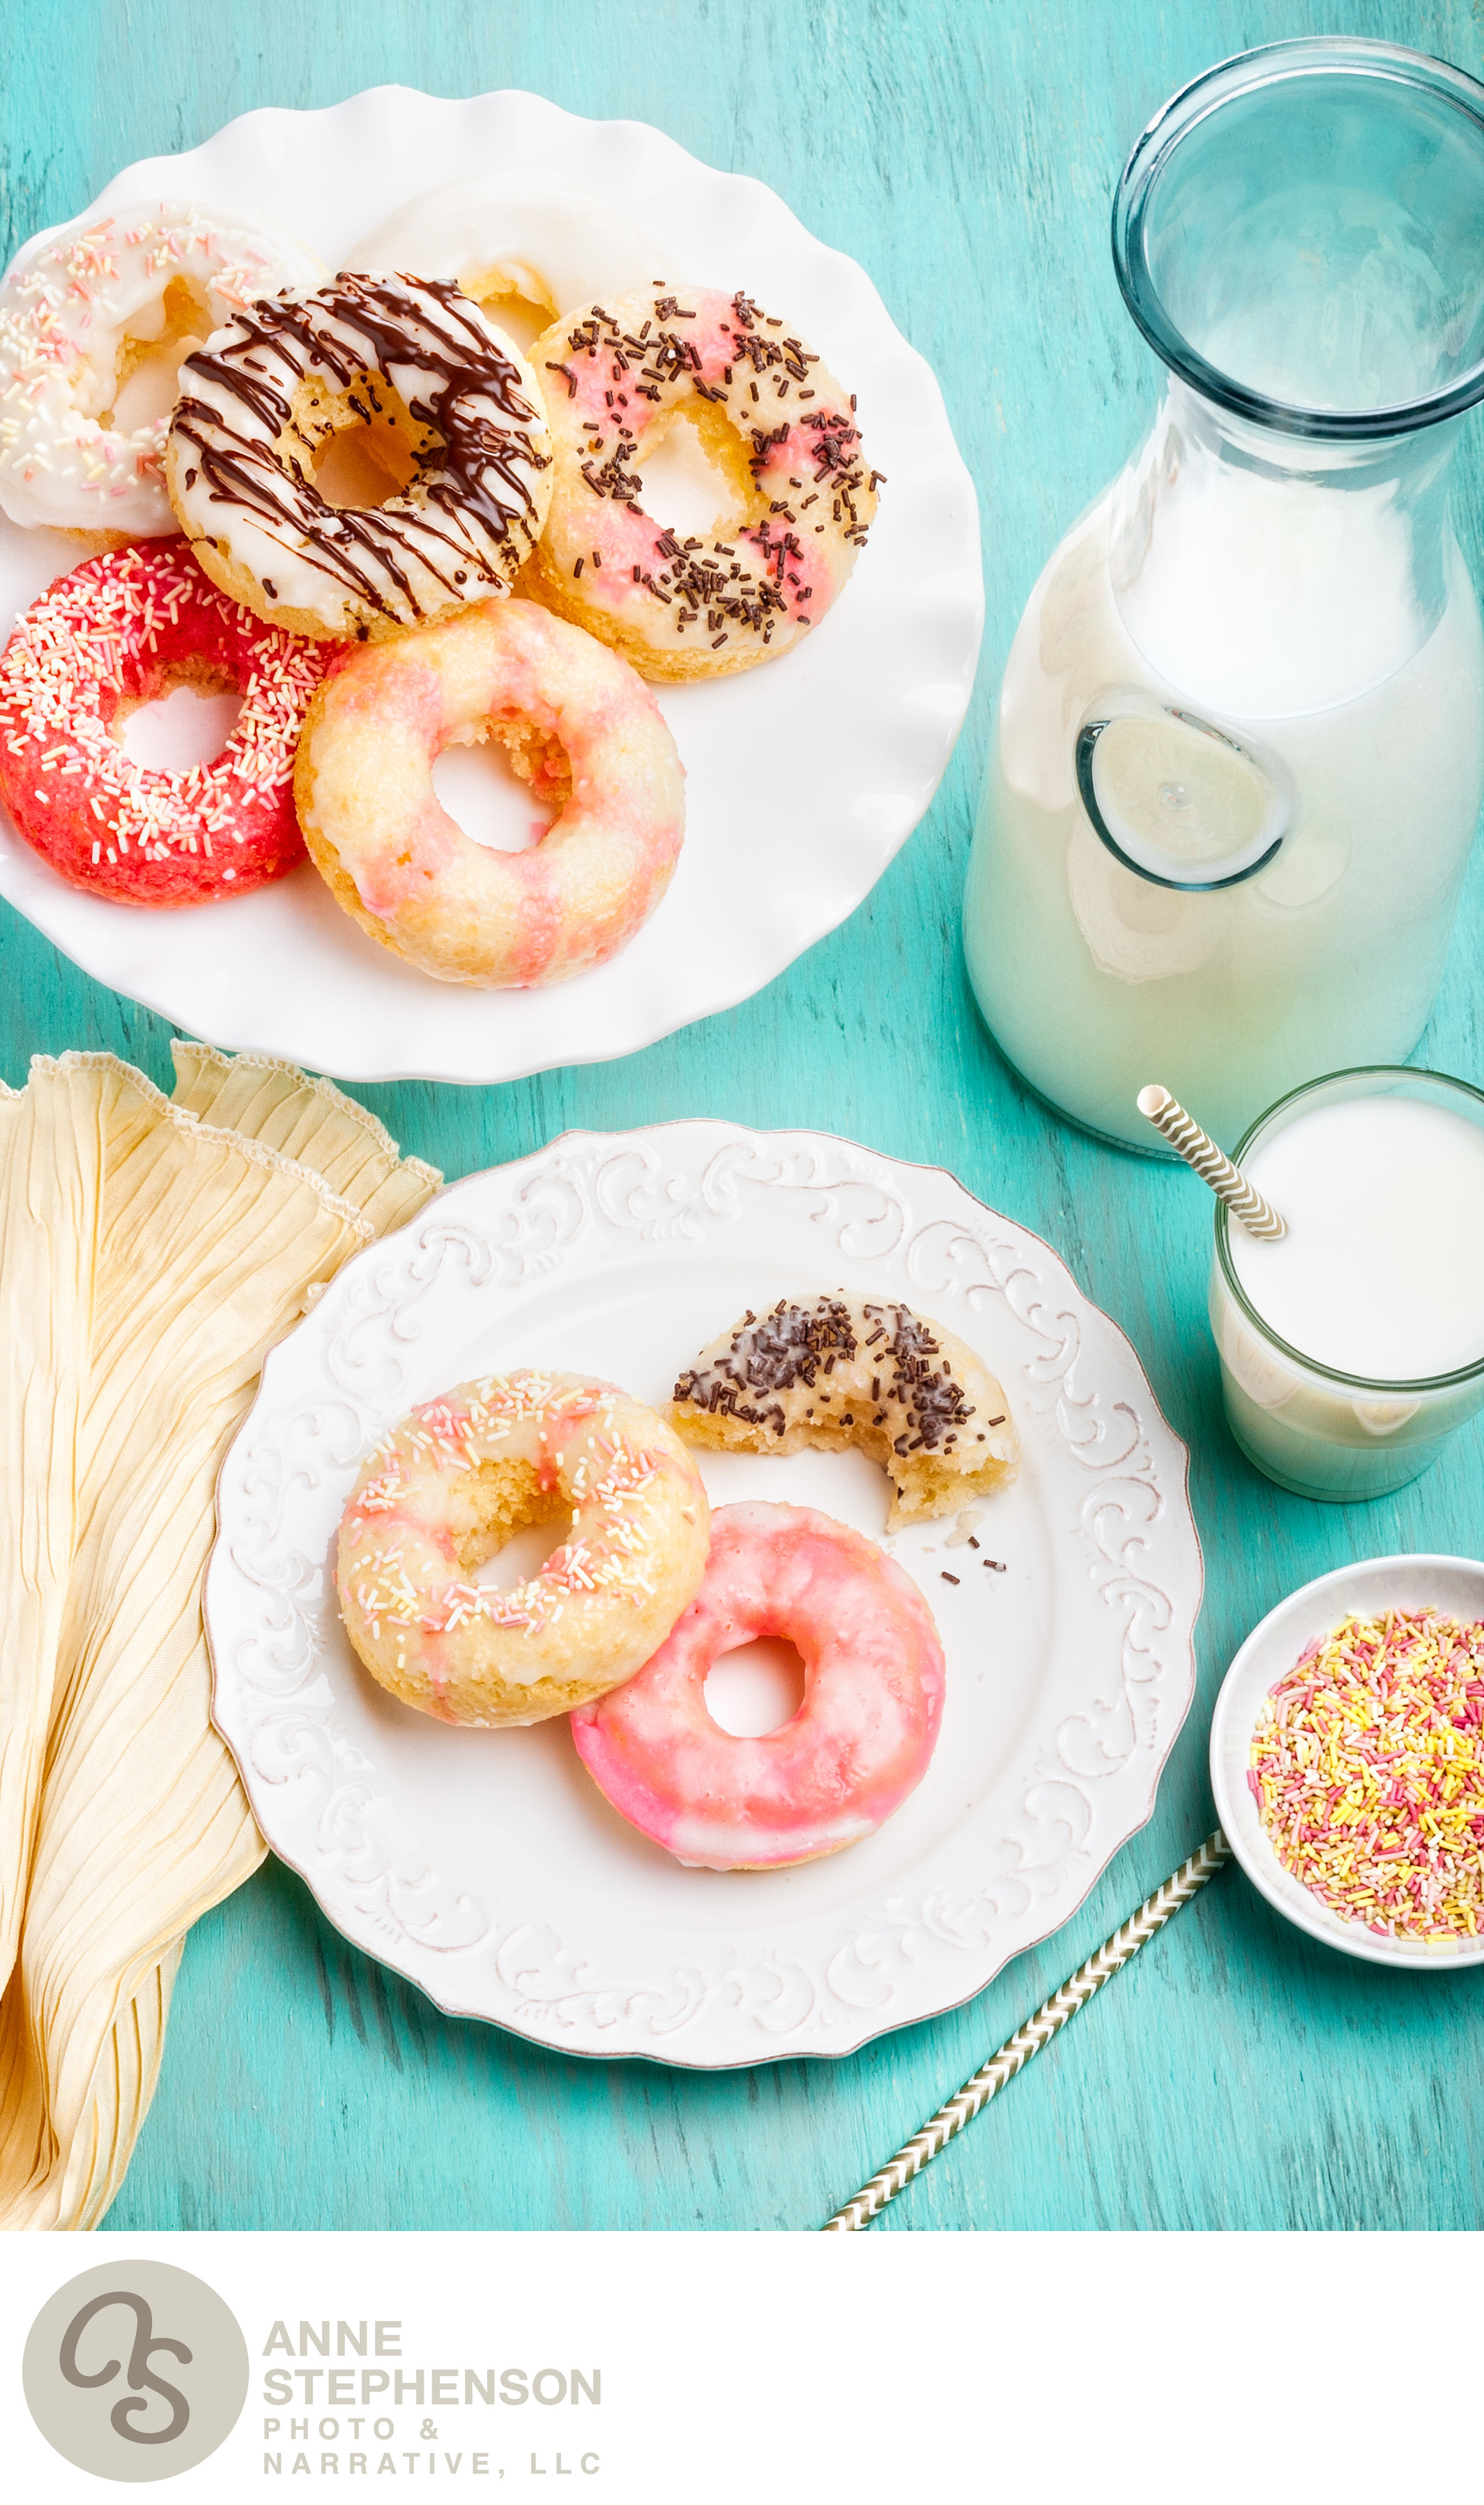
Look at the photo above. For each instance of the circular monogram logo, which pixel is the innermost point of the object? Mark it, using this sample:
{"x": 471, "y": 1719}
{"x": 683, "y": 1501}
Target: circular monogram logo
{"x": 135, "y": 2371}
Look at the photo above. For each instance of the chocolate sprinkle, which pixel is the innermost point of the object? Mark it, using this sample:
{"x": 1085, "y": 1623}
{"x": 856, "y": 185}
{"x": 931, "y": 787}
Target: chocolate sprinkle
{"x": 796, "y": 1344}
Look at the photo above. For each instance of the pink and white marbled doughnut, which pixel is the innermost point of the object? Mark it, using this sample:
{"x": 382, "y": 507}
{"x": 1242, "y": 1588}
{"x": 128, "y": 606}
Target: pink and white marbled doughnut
{"x": 583, "y": 730}
{"x": 777, "y": 425}
{"x": 860, "y": 1742}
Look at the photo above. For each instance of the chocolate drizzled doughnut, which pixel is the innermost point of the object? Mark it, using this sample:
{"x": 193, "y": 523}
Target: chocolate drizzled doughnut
{"x": 440, "y": 393}
{"x": 848, "y": 1370}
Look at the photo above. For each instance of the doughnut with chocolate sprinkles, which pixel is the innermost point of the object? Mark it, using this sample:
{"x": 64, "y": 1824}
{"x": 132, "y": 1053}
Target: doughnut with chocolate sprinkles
{"x": 776, "y": 425}
{"x": 852, "y": 1370}
{"x": 443, "y": 400}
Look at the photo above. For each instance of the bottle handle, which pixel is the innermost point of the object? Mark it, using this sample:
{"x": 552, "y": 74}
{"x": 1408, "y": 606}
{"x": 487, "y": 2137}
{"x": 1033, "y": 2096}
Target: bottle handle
{"x": 1176, "y": 798}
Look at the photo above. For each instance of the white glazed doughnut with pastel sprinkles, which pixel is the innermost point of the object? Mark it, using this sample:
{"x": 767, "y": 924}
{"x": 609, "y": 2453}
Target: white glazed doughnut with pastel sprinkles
{"x": 579, "y": 727}
{"x": 524, "y": 238}
{"x": 78, "y": 311}
{"x": 772, "y": 420}
{"x": 445, "y": 1491}
{"x": 861, "y": 1738}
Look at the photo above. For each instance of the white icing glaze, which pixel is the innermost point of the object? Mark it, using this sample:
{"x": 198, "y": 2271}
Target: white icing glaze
{"x": 476, "y": 505}
{"x": 515, "y": 234}
{"x": 65, "y": 311}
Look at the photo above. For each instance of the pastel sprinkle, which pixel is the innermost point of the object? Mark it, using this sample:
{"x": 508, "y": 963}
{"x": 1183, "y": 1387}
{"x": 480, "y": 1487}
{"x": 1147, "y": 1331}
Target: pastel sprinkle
{"x": 1367, "y": 1768}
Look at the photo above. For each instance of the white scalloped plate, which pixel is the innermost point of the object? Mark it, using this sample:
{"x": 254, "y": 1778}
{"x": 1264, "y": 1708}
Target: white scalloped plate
{"x": 484, "y": 1865}
{"x": 805, "y": 776}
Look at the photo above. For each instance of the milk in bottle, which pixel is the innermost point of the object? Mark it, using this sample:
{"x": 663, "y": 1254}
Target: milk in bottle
{"x": 1239, "y": 751}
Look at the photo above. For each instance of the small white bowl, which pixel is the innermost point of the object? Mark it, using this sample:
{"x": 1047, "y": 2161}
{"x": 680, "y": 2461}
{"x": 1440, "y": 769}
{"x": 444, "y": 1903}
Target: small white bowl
{"x": 1455, "y": 1584}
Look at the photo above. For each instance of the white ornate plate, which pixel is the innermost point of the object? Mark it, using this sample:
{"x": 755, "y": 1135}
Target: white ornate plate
{"x": 484, "y": 1865}
{"x": 805, "y": 776}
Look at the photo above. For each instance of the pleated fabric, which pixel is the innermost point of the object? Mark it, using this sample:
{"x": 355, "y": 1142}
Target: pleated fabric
{"x": 152, "y": 1250}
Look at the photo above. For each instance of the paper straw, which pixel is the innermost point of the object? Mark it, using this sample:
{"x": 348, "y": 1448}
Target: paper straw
{"x": 1229, "y": 1183}
{"x": 1048, "y": 2020}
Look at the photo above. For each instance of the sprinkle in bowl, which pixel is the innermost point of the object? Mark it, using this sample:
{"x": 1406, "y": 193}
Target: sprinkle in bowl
{"x": 1453, "y": 1587}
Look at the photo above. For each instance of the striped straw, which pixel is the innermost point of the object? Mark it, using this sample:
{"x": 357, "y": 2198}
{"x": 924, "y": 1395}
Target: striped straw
{"x": 1048, "y": 2020}
{"x": 1229, "y": 1183}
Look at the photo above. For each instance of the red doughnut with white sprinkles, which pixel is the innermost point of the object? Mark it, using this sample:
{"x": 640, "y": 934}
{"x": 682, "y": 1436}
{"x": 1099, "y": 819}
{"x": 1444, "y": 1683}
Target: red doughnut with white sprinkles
{"x": 116, "y": 633}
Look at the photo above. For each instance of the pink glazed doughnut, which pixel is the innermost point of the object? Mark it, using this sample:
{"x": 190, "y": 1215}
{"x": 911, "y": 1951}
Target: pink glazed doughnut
{"x": 860, "y": 1742}
{"x": 582, "y": 729}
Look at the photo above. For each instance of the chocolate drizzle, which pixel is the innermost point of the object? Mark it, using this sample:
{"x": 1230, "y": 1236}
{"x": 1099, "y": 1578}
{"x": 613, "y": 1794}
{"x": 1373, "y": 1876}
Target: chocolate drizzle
{"x": 470, "y": 515}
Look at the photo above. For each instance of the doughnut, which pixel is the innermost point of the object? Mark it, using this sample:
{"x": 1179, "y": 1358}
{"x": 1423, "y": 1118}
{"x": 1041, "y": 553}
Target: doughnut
{"x": 116, "y": 633}
{"x": 860, "y": 1742}
{"x": 450, "y": 410}
{"x": 845, "y": 1370}
{"x": 581, "y": 727}
{"x": 447, "y": 1487}
{"x": 772, "y": 420}
{"x": 79, "y": 312}
{"x": 521, "y": 238}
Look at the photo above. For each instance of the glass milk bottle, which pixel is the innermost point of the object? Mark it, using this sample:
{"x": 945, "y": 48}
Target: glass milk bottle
{"x": 1239, "y": 751}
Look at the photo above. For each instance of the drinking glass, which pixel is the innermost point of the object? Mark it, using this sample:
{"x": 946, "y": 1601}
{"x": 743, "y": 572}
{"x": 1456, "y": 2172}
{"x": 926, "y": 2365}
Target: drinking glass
{"x": 1316, "y": 1430}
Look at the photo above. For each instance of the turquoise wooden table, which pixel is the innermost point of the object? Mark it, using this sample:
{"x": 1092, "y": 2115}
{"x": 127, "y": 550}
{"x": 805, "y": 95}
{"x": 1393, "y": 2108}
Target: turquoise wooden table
{"x": 1238, "y": 2075}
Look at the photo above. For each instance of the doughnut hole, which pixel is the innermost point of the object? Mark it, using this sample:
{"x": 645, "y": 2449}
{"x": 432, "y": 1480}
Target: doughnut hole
{"x": 489, "y": 1505}
{"x": 186, "y": 721}
{"x": 756, "y": 1688}
{"x": 178, "y": 713}
{"x": 493, "y": 775}
{"x": 364, "y": 445}
{"x": 144, "y": 384}
{"x": 513, "y": 297}
{"x": 695, "y": 475}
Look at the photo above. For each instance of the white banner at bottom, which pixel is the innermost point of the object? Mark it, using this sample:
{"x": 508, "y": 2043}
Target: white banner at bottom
{"x": 709, "y": 2370}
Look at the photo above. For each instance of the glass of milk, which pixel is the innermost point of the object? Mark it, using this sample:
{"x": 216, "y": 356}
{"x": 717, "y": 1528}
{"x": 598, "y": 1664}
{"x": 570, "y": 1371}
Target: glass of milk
{"x": 1239, "y": 751}
{"x": 1352, "y": 1348}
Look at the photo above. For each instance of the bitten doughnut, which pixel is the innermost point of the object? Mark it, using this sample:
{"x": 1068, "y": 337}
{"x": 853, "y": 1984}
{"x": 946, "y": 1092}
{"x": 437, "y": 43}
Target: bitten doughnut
{"x": 579, "y": 727}
{"x": 860, "y": 1742}
{"x": 441, "y": 397}
{"x": 780, "y": 429}
{"x": 79, "y": 312}
{"x": 114, "y": 634}
{"x": 851, "y": 1371}
{"x": 523, "y": 238}
{"x": 447, "y": 1487}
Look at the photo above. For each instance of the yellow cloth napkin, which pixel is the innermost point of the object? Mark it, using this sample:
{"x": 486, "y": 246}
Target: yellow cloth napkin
{"x": 150, "y": 1250}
